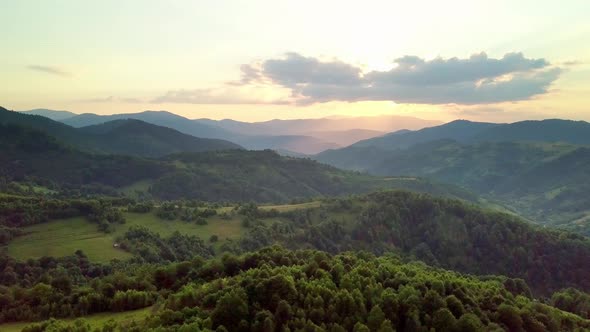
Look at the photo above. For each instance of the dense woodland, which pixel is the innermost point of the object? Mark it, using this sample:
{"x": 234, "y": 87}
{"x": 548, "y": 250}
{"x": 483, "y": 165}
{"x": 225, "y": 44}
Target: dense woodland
{"x": 34, "y": 158}
{"x": 433, "y": 257}
{"x": 538, "y": 169}
{"x": 276, "y": 289}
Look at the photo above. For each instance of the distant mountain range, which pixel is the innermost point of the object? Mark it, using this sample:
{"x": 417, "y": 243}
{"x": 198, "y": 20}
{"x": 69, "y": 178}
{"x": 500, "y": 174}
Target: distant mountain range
{"x": 366, "y": 153}
{"x": 540, "y": 169}
{"x": 53, "y": 115}
{"x": 305, "y": 136}
{"x": 132, "y": 137}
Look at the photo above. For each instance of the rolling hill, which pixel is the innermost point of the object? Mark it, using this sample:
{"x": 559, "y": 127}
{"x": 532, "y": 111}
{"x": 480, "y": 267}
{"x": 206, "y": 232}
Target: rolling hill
{"x": 550, "y": 130}
{"x": 459, "y": 130}
{"x": 306, "y": 136}
{"x": 160, "y": 118}
{"x": 463, "y": 131}
{"x": 536, "y": 168}
{"x": 438, "y": 231}
{"x": 130, "y": 137}
{"x": 254, "y": 141}
{"x": 226, "y": 175}
{"x": 542, "y": 181}
{"x": 52, "y": 114}
{"x": 135, "y": 137}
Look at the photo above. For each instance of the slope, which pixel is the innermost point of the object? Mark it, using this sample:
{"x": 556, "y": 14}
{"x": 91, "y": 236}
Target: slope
{"x": 255, "y": 140}
{"x": 542, "y": 181}
{"x": 31, "y": 156}
{"x": 134, "y": 138}
{"x": 52, "y": 114}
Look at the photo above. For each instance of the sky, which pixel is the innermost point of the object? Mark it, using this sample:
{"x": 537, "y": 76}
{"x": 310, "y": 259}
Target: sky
{"x": 500, "y": 61}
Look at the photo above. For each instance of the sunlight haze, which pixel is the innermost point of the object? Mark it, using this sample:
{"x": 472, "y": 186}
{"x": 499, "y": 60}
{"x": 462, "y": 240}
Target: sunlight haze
{"x": 186, "y": 56}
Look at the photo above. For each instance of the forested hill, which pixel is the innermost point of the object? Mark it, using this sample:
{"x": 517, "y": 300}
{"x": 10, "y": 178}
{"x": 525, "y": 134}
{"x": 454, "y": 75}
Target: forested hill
{"x": 32, "y": 156}
{"x": 132, "y": 137}
{"x": 279, "y": 290}
{"x": 468, "y": 132}
{"x": 440, "y": 232}
{"x": 459, "y": 130}
{"x": 135, "y": 137}
{"x": 232, "y": 175}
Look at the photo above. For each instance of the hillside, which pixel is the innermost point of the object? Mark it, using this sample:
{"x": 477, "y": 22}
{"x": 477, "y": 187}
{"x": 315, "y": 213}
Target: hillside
{"x": 459, "y": 130}
{"x": 253, "y": 141}
{"x": 265, "y": 176}
{"x": 306, "y": 136}
{"x": 520, "y": 268}
{"x": 541, "y": 181}
{"x": 135, "y": 137}
{"x": 441, "y": 232}
{"x": 298, "y": 144}
{"x": 366, "y": 154}
{"x": 535, "y": 168}
{"x": 52, "y": 114}
{"x": 160, "y": 118}
{"x": 468, "y": 132}
{"x": 298, "y": 290}
{"x": 124, "y": 137}
{"x": 551, "y": 130}
{"x": 31, "y": 156}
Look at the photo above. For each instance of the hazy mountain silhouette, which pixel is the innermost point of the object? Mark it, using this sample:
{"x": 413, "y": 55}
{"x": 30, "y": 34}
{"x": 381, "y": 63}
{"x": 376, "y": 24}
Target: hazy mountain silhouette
{"x": 52, "y": 114}
{"x": 123, "y": 136}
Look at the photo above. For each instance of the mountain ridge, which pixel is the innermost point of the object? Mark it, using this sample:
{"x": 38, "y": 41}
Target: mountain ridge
{"x": 145, "y": 139}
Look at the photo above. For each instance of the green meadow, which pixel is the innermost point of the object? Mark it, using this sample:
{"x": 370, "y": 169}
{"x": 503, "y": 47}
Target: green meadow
{"x": 95, "y": 321}
{"x": 63, "y": 237}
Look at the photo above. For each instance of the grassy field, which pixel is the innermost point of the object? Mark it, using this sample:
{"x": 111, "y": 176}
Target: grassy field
{"x": 290, "y": 207}
{"x": 95, "y": 321}
{"x": 63, "y": 237}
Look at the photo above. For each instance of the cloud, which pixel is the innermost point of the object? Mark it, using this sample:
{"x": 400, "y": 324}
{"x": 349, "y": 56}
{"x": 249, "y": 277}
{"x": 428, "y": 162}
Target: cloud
{"x": 220, "y": 96}
{"x": 112, "y": 99}
{"x": 572, "y": 63}
{"x": 474, "y": 80}
{"x": 49, "y": 70}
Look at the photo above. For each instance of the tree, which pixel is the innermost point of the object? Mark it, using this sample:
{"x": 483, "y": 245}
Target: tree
{"x": 231, "y": 309}
{"x": 455, "y": 305}
{"x": 386, "y": 326}
{"x": 375, "y": 318}
{"x": 469, "y": 323}
{"x": 443, "y": 320}
{"x": 510, "y": 317}
{"x": 360, "y": 327}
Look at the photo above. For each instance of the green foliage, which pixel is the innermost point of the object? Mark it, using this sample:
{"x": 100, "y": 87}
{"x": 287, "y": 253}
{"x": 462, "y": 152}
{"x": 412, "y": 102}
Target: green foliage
{"x": 371, "y": 294}
{"x": 572, "y": 300}
{"x": 545, "y": 182}
{"x": 28, "y": 154}
{"x": 277, "y": 289}
{"x": 151, "y": 247}
{"x": 233, "y": 175}
{"x": 441, "y": 232}
{"x": 261, "y": 176}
